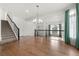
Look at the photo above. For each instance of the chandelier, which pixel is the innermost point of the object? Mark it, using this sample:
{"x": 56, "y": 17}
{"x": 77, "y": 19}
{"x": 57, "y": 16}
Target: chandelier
{"x": 37, "y": 20}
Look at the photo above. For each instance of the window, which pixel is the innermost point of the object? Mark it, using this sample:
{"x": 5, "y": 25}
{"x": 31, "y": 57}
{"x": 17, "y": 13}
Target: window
{"x": 72, "y": 25}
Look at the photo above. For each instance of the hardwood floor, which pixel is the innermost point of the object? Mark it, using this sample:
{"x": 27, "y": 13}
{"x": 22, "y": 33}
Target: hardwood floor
{"x": 39, "y": 46}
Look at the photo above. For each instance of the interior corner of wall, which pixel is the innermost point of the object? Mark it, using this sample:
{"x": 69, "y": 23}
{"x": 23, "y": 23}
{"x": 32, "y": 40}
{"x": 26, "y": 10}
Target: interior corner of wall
{"x": 0, "y": 30}
{"x": 0, "y": 38}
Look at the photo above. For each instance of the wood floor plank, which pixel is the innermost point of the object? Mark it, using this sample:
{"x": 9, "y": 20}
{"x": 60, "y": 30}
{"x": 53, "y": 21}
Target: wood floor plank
{"x": 37, "y": 46}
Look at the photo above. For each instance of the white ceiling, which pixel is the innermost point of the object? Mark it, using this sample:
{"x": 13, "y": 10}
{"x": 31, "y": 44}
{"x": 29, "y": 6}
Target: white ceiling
{"x": 18, "y": 9}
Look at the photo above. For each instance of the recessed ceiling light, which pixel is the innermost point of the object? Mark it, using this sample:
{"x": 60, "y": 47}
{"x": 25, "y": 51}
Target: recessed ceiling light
{"x": 27, "y": 11}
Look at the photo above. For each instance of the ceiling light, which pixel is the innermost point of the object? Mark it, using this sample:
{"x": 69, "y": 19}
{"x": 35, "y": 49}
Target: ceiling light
{"x": 27, "y": 11}
{"x": 37, "y": 20}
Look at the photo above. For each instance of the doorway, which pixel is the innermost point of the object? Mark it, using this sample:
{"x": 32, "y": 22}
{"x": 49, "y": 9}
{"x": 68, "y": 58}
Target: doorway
{"x": 56, "y": 31}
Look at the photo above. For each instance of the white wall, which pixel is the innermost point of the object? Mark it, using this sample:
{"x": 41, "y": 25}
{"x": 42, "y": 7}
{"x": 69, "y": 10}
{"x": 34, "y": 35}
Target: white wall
{"x": 54, "y": 18}
{"x": 27, "y": 27}
{"x": 2, "y": 14}
{"x": 0, "y": 30}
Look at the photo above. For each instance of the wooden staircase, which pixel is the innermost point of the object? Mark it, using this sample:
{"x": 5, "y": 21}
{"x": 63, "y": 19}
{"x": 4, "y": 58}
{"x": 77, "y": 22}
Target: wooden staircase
{"x": 6, "y": 32}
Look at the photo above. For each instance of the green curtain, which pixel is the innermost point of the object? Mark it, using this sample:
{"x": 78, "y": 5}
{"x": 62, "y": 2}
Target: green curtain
{"x": 67, "y": 39}
{"x": 77, "y": 25}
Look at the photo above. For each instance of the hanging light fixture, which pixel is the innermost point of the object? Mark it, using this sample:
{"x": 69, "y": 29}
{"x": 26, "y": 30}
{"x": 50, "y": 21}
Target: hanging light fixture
{"x": 37, "y": 20}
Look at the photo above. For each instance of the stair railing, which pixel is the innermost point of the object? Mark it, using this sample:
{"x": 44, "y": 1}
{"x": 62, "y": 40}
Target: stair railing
{"x": 14, "y": 27}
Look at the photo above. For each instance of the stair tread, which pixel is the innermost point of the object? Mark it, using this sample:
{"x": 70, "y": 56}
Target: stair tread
{"x": 7, "y": 35}
{"x": 7, "y": 41}
{"x": 7, "y": 38}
